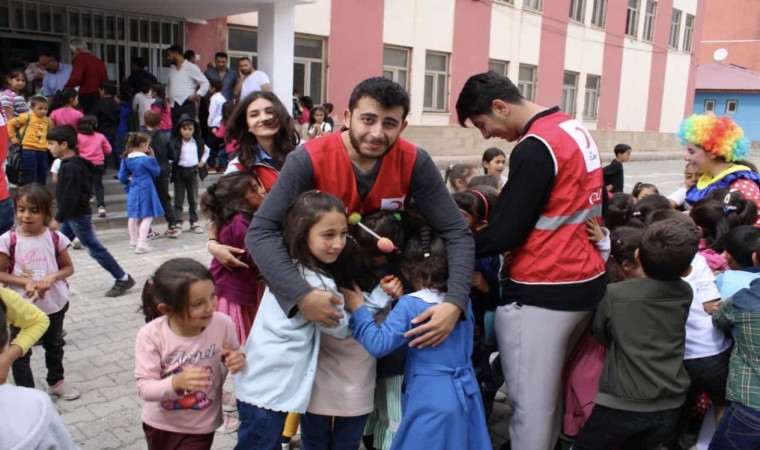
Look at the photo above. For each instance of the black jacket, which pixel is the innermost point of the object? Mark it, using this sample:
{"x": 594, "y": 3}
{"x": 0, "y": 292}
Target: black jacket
{"x": 176, "y": 144}
{"x": 108, "y": 113}
{"x": 613, "y": 174}
{"x": 160, "y": 142}
{"x": 74, "y": 188}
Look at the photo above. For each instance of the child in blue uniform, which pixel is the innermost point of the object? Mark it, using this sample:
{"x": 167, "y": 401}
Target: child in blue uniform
{"x": 441, "y": 403}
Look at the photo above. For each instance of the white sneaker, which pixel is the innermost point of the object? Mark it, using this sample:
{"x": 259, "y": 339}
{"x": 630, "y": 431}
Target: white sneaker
{"x": 64, "y": 391}
{"x": 141, "y": 250}
{"x": 101, "y": 211}
{"x": 76, "y": 244}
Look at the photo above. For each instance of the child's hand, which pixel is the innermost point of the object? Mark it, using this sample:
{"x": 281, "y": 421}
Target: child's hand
{"x": 234, "y": 360}
{"x": 392, "y": 286}
{"x": 594, "y": 231}
{"x": 45, "y": 283}
{"x": 712, "y": 306}
{"x": 31, "y": 289}
{"x": 479, "y": 282}
{"x": 352, "y": 298}
{"x": 196, "y": 379}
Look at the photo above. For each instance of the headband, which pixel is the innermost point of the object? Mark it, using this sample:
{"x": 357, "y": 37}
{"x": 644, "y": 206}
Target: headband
{"x": 485, "y": 200}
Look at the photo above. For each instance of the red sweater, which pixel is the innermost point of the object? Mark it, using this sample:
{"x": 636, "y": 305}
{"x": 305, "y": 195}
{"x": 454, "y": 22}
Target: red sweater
{"x": 88, "y": 72}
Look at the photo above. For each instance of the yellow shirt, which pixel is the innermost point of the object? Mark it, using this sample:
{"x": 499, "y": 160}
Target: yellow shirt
{"x": 22, "y": 314}
{"x": 36, "y": 133}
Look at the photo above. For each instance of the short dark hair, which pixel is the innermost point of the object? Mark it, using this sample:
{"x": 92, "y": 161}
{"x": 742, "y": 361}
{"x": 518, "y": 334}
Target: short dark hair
{"x": 221, "y": 55}
{"x": 46, "y": 52}
{"x": 37, "y": 99}
{"x": 741, "y": 243}
{"x": 481, "y": 90}
{"x": 667, "y": 249}
{"x": 189, "y": 55}
{"x": 328, "y": 107}
{"x": 63, "y": 134}
{"x": 139, "y": 61}
{"x": 88, "y": 124}
{"x": 621, "y": 148}
{"x": 175, "y": 48}
{"x": 216, "y": 83}
{"x": 384, "y": 91}
{"x": 108, "y": 87}
{"x": 152, "y": 118}
{"x": 38, "y": 196}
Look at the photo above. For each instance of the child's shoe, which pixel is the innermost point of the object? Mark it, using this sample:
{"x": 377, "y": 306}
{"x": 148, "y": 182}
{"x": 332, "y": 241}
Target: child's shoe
{"x": 141, "y": 250}
{"x": 64, "y": 391}
{"x": 76, "y": 244}
{"x": 230, "y": 424}
{"x": 120, "y": 287}
{"x": 153, "y": 235}
{"x": 173, "y": 232}
{"x": 101, "y": 211}
{"x": 196, "y": 229}
{"x": 132, "y": 246}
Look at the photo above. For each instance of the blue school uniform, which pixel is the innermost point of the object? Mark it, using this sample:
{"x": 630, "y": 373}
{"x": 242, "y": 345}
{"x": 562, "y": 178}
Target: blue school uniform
{"x": 142, "y": 198}
{"x": 441, "y": 403}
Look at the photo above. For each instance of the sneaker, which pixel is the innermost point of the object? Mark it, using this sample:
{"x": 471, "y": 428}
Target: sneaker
{"x": 173, "y": 232}
{"x": 77, "y": 244}
{"x": 196, "y": 229}
{"x": 132, "y": 246}
{"x": 153, "y": 235}
{"x": 64, "y": 391}
{"x": 141, "y": 250}
{"x": 101, "y": 211}
{"x": 229, "y": 404}
{"x": 120, "y": 287}
{"x": 286, "y": 446}
{"x": 230, "y": 424}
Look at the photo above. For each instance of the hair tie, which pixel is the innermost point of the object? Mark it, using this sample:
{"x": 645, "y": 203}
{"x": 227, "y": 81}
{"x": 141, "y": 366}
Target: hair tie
{"x": 425, "y": 241}
{"x": 728, "y": 209}
{"x": 485, "y": 201}
{"x": 636, "y": 214}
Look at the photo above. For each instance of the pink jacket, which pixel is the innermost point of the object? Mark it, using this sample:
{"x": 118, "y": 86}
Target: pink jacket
{"x": 93, "y": 147}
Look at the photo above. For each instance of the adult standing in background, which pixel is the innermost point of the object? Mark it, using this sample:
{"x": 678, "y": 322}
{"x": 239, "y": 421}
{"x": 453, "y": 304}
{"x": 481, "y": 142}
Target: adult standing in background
{"x": 221, "y": 72}
{"x": 250, "y": 79}
{"x": 139, "y": 75}
{"x": 56, "y": 73}
{"x": 87, "y": 73}
{"x": 556, "y": 276}
{"x": 186, "y": 84}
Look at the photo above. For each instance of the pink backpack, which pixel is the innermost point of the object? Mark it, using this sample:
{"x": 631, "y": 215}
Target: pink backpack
{"x": 581, "y": 380}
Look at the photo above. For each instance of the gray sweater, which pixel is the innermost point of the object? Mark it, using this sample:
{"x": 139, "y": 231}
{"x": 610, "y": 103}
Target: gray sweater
{"x": 264, "y": 238}
{"x": 642, "y": 323}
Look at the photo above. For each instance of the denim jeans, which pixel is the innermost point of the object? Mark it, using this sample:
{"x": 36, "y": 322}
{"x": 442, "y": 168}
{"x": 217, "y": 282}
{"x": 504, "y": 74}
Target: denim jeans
{"x": 331, "y": 433}
{"x": 7, "y": 214}
{"x": 34, "y": 166}
{"x": 53, "y": 343}
{"x": 81, "y": 227}
{"x": 608, "y": 428}
{"x": 259, "y": 428}
{"x": 739, "y": 429}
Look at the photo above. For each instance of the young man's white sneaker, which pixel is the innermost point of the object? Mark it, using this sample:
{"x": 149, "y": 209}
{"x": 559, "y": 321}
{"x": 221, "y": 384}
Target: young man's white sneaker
{"x": 64, "y": 391}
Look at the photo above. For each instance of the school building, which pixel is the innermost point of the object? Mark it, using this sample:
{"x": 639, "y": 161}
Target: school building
{"x": 622, "y": 65}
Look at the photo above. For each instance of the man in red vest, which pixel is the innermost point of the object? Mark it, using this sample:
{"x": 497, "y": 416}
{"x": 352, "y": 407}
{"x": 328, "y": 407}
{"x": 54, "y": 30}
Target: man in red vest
{"x": 556, "y": 276}
{"x": 370, "y": 168}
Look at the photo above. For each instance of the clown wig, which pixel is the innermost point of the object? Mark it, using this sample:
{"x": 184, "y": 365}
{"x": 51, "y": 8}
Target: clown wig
{"x": 720, "y": 136}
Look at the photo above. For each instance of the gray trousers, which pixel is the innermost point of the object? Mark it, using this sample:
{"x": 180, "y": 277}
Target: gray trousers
{"x": 186, "y": 182}
{"x": 533, "y": 345}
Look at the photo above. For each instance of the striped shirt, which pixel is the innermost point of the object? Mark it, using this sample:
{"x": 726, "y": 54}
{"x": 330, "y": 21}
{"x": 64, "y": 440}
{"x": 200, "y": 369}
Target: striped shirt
{"x": 10, "y": 99}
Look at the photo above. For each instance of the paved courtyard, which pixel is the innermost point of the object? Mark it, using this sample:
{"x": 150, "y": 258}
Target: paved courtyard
{"x": 99, "y": 356}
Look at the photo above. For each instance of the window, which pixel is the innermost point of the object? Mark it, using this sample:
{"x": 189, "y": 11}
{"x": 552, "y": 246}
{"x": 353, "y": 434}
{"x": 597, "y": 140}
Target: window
{"x": 526, "y": 82}
{"x": 649, "y": 20}
{"x": 499, "y": 67}
{"x": 569, "y": 91}
{"x": 688, "y": 32}
{"x": 396, "y": 65}
{"x": 533, "y": 4}
{"x": 436, "y": 81}
{"x": 308, "y": 67}
{"x": 632, "y": 18}
{"x": 599, "y": 14}
{"x": 242, "y": 42}
{"x": 732, "y": 106}
{"x": 675, "y": 29}
{"x": 709, "y": 106}
{"x": 508, "y": 2}
{"x": 577, "y": 10}
{"x": 591, "y": 99}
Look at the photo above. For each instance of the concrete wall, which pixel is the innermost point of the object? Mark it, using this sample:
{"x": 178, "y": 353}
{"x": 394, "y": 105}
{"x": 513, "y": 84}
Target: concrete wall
{"x": 735, "y": 26}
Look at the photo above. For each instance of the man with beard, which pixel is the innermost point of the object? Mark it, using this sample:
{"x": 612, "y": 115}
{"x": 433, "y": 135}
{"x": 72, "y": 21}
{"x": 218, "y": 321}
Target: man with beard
{"x": 250, "y": 79}
{"x": 370, "y": 168}
{"x": 56, "y": 73}
{"x": 221, "y": 72}
{"x": 186, "y": 84}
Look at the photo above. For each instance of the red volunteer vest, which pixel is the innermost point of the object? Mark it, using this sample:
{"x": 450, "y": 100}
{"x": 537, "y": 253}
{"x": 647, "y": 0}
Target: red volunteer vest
{"x": 558, "y": 250}
{"x": 267, "y": 174}
{"x": 334, "y": 173}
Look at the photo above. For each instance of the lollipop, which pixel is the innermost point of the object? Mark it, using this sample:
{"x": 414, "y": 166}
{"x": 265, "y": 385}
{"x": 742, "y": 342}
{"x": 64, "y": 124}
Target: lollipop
{"x": 384, "y": 244}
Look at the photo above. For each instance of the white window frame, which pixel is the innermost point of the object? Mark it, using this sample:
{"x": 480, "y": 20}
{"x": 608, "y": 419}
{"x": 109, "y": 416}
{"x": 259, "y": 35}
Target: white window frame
{"x": 650, "y": 19}
{"x": 711, "y": 104}
{"x": 591, "y": 98}
{"x": 503, "y": 66}
{"x": 527, "y": 87}
{"x": 439, "y": 104}
{"x": 675, "y": 29}
{"x": 688, "y": 32}
{"x": 599, "y": 14}
{"x": 398, "y": 73}
{"x": 533, "y": 5}
{"x": 570, "y": 94}
{"x": 578, "y": 10}
{"x": 732, "y": 106}
{"x": 318, "y": 97}
{"x": 632, "y": 18}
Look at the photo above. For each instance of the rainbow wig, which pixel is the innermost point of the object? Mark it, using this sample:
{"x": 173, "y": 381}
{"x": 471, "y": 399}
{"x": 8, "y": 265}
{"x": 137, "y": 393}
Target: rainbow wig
{"x": 720, "y": 136}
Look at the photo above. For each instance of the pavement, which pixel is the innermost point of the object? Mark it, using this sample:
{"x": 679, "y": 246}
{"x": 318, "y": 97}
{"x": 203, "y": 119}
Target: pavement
{"x": 99, "y": 358}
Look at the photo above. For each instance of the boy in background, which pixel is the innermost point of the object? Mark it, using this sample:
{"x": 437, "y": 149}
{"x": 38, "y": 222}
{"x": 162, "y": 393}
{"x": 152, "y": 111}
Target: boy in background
{"x": 29, "y": 130}
{"x": 215, "y": 113}
{"x": 189, "y": 155}
{"x": 642, "y": 323}
{"x": 72, "y": 195}
{"x": 161, "y": 144}
{"x": 613, "y": 172}
{"x": 108, "y": 112}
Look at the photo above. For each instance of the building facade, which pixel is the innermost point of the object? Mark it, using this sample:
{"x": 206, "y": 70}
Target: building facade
{"x": 729, "y": 90}
{"x": 733, "y": 25}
